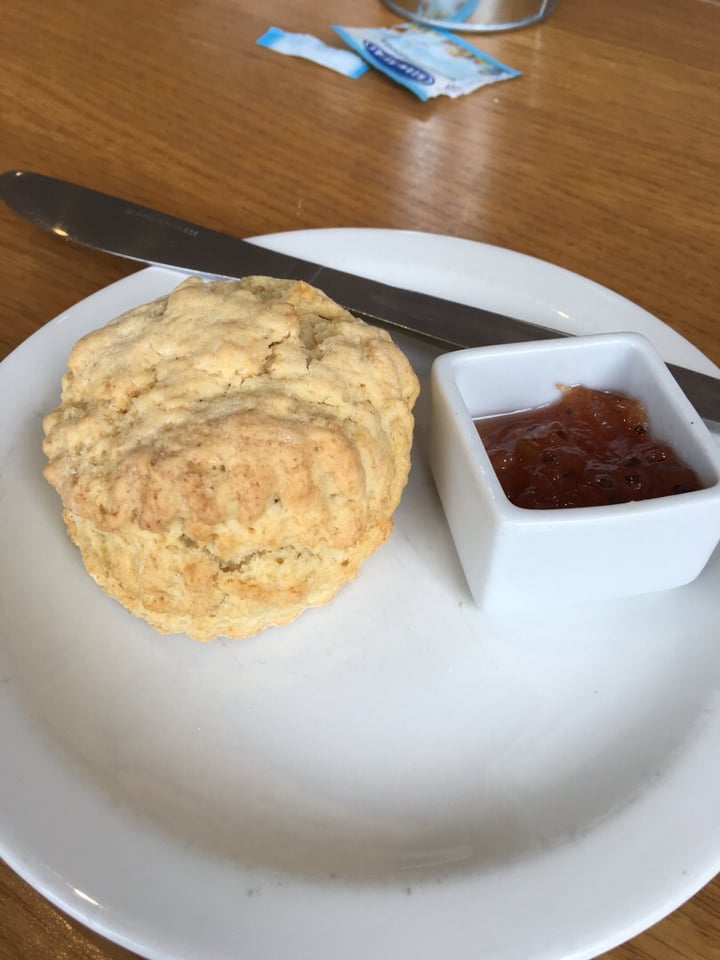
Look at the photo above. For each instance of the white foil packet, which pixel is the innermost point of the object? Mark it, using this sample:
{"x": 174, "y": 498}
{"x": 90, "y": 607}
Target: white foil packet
{"x": 426, "y": 60}
{"x": 307, "y": 47}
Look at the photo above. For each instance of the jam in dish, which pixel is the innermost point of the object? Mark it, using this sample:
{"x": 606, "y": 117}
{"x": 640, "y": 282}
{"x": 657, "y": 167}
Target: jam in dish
{"x": 589, "y": 448}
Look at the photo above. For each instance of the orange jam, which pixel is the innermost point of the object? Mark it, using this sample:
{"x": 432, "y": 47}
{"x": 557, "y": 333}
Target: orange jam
{"x": 589, "y": 448}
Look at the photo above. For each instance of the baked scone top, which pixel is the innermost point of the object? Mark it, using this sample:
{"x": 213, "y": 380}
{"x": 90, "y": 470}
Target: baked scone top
{"x": 234, "y": 416}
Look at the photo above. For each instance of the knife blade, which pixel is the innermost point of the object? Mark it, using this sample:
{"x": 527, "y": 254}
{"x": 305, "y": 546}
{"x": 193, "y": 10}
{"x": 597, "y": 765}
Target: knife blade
{"x": 123, "y": 228}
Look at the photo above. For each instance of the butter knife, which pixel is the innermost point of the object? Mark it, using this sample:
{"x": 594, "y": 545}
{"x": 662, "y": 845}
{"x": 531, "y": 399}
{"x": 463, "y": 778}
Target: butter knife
{"x": 122, "y": 228}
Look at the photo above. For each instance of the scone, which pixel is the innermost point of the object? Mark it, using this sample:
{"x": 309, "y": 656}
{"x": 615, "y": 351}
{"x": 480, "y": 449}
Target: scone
{"x": 229, "y": 455}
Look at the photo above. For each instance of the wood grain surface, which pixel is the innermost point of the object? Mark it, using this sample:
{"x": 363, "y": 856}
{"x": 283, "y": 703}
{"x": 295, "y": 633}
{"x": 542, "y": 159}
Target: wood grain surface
{"x": 602, "y": 158}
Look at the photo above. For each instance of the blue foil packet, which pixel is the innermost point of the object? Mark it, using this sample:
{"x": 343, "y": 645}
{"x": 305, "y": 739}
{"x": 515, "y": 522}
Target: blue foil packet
{"x": 307, "y": 47}
{"x": 426, "y": 60}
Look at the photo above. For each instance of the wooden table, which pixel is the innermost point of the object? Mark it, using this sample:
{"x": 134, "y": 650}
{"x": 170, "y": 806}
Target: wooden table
{"x": 602, "y": 158}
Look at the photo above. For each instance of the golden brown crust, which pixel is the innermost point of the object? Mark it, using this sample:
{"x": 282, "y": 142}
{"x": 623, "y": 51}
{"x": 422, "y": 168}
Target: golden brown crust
{"x": 231, "y": 453}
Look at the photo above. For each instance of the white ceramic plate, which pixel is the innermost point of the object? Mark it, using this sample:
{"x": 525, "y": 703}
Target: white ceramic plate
{"x": 393, "y": 776}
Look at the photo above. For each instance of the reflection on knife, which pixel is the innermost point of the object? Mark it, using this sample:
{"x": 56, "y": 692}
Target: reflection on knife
{"x": 129, "y": 230}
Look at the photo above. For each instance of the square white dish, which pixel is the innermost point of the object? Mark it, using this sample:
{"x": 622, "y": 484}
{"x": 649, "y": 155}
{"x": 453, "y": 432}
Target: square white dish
{"x": 513, "y": 556}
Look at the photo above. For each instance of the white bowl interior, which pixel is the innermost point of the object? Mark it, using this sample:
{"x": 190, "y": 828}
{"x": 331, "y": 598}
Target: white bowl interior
{"x": 500, "y": 380}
